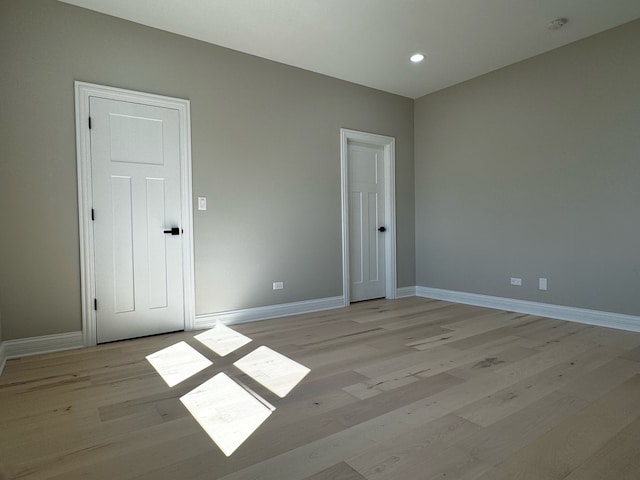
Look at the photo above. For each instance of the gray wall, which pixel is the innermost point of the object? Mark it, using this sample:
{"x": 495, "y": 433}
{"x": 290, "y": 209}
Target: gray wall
{"x": 265, "y": 141}
{"x": 534, "y": 171}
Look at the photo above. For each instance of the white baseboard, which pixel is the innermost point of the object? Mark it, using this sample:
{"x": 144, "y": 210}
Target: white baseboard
{"x": 23, "y": 347}
{"x": 3, "y": 357}
{"x": 263, "y": 313}
{"x": 572, "y": 314}
{"x": 404, "y": 292}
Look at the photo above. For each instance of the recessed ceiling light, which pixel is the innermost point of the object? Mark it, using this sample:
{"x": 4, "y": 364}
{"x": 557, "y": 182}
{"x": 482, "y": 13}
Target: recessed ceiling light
{"x": 416, "y": 57}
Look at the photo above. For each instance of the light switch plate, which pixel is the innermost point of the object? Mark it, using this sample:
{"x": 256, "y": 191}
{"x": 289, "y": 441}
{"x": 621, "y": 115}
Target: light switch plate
{"x": 202, "y": 203}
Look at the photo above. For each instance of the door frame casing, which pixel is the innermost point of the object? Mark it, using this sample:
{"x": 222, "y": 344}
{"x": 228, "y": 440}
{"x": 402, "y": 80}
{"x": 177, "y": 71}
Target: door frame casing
{"x": 83, "y": 93}
{"x": 388, "y": 145}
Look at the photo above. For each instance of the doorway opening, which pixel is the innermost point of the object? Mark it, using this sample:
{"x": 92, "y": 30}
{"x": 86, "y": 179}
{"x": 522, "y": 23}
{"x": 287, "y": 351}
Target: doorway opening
{"x": 134, "y": 160}
{"x": 368, "y": 216}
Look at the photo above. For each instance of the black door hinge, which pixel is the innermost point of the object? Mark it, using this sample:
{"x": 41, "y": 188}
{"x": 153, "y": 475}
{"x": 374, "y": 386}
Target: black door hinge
{"x": 93, "y": 214}
{"x": 89, "y": 123}
{"x": 95, "y": 304}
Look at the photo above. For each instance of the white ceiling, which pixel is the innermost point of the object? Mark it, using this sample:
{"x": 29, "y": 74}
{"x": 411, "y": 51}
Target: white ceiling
{"x": 369, "y": 41}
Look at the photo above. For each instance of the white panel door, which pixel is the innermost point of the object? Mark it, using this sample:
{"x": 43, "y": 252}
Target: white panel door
{"x": 135, "y": 162}
{"x": 366, "y": 222}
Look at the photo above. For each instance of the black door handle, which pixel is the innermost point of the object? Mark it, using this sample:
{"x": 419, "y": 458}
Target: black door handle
{"x": 382, "y": 229}
{"x": 173, "y": 231}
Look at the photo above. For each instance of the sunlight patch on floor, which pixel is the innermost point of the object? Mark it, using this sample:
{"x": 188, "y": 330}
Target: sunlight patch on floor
{"x": 272, "y": 370}
{"x": 222, "y": 340}
{"x": 178, "y": 362}
{"x": 226, "y": 411}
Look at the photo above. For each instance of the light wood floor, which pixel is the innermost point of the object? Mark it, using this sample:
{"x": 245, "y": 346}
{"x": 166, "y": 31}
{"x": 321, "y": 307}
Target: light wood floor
{"x": 404, "y": 389}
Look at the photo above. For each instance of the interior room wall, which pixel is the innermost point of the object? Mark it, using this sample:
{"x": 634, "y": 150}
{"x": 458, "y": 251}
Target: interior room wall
{"x": 534, "y": 171}
{"x": 266, "y": 154}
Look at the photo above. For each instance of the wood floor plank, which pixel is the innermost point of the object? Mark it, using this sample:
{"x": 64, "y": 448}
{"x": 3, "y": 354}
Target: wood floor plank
{"x": 476, "y": 322}
{"x": 619, "y": 458}
{"x": 591, "y": 385}
{"x": 502, "y": 439}
{"x": 340, "y": 471}
{"x": 633, "y": 355}
{"x": 438, "y": 463}
{"x": 112, "y": 452}
{"x": 388, "y": 458}
{"x": 515, "y": 397}
{"x": 560, "y": 451}
{"x": 547, "y": 357}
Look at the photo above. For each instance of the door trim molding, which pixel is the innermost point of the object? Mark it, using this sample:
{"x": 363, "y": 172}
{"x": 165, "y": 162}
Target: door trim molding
{"x": 388, "y": 145}
{"x": 83, "y": 92}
